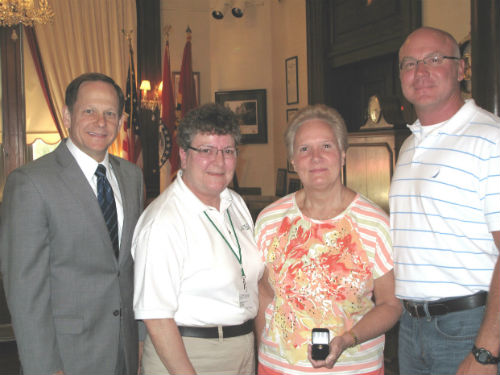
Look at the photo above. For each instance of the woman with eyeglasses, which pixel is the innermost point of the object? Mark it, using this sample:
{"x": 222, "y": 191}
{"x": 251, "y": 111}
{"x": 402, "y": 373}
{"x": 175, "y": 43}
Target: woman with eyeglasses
{"x": 196, "y": 263}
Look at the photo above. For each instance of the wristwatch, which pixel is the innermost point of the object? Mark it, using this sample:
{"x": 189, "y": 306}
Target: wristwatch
{"x": 483, "y": 356}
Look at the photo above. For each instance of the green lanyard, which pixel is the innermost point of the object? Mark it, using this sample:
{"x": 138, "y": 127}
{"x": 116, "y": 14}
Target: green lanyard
{"x": 238, "y": 258}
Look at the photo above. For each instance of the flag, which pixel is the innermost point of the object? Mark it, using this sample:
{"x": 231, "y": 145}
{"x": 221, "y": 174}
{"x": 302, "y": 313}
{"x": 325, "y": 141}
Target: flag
{"x": 168, "y": 128}
{"x": 187, "y": 94}
{"x": 131, "y": 142}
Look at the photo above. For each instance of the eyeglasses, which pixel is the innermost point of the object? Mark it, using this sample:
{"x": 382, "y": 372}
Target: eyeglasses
{"x": 409, "y": 63}
{"x": 209, "y": 152}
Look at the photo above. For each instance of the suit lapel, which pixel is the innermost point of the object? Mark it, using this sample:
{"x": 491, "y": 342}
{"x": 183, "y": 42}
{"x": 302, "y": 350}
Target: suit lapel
{"x": 73, "y": 177}
{"x": 126, "y": 194}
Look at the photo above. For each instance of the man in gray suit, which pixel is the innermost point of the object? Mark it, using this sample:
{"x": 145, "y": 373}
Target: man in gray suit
{"x": 68, "y": 278}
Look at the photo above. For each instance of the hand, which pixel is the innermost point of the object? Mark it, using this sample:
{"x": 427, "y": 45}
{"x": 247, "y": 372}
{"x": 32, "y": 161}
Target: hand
{"x": 337, "y": 346}
{"x": 472, "y": 367}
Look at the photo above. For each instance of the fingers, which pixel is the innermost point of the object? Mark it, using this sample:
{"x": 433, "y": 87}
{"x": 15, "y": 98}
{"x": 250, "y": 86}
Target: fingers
{"x": 328, "y": 362}
{"x": 336, "y": 349}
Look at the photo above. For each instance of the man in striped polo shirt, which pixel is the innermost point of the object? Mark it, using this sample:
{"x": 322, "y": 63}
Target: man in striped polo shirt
{"x": 445, "y": 217}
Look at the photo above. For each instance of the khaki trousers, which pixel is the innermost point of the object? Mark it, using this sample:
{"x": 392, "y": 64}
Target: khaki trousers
{"x": 231, "y": 356}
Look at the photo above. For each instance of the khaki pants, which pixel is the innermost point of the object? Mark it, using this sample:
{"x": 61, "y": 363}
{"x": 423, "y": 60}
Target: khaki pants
{"x": 231, "y": 356}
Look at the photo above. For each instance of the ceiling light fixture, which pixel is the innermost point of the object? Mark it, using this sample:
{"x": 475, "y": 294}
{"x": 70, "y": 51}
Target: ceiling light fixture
{"x": 27, "y": 12}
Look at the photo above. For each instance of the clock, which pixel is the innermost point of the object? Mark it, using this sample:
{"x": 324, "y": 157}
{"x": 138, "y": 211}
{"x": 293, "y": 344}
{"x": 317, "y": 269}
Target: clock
{"x": 374, "y": 115}
{"x": 374, "y": 109}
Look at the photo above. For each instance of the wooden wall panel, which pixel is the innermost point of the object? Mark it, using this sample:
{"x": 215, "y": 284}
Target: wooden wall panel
{"x": 149, "y": 55}
{"x": 357, "y": 42}
{"x": 485, "y": 44}
{"x": 369, "y": 28}
{"x": 13, "y": 107}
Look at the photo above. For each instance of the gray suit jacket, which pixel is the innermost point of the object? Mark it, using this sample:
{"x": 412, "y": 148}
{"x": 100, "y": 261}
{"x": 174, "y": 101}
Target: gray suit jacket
{"x": 70, "y": 299}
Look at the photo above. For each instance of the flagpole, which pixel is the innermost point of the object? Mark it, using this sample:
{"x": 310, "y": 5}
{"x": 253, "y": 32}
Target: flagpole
{"x": 169, "y": 121}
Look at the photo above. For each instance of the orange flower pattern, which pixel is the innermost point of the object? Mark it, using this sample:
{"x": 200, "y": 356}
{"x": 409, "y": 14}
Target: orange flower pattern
{"x": 321, "y": 276}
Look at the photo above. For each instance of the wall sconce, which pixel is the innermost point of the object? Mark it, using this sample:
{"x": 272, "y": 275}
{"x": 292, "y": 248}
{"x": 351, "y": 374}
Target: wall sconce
{"x": 146, "y": 101}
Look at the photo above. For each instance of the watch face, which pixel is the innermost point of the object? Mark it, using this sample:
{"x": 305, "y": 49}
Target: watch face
{"x": 484, "y": 356}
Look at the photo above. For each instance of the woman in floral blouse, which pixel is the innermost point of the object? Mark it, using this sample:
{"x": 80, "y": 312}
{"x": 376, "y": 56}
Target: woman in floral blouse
{"x": 328, "y": 261}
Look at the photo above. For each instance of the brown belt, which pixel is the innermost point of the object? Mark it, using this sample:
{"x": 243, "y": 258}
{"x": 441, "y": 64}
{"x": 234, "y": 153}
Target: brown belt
{"x": 213, "y": 332}
{"x": 440, "y": 307}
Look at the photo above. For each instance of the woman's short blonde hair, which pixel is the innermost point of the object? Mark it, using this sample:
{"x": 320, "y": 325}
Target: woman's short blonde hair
{"x": 322, "y": 112}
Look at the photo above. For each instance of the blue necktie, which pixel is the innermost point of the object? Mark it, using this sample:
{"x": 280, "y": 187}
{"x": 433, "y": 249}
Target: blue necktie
{"x": 108, "y": 207}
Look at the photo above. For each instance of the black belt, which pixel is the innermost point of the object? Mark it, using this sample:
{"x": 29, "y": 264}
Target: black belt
{"x": 213, "y": 332}
{"x": 441, "y": 307}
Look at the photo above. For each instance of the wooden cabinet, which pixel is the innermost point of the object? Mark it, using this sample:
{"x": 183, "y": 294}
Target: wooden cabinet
{"x": 370, "y": 162}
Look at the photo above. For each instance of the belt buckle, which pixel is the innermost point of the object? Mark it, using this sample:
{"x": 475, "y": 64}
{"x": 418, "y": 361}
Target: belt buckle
{"x": 415, "y": 311}
{"x": 412, "y": 308}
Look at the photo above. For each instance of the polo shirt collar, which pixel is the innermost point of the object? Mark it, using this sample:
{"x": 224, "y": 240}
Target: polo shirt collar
{"x": 195, "y": 203}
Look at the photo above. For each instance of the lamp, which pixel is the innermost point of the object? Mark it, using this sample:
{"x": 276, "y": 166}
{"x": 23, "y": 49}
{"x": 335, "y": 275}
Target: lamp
{"x": 154, "y": 103}
{"x": 145, "y": 87}
{"x": 26, "y": 12}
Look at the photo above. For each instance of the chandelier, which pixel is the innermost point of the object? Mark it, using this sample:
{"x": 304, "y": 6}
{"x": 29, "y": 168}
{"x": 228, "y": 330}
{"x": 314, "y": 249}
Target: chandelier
{"x": 26, "y": 12}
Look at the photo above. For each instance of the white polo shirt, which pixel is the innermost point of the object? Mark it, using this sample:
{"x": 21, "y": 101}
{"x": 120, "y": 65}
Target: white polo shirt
{"x": 185, "y": 270}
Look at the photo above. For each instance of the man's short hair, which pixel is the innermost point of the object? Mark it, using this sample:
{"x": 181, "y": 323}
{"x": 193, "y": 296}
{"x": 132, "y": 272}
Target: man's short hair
{"x": 74, "y": 86}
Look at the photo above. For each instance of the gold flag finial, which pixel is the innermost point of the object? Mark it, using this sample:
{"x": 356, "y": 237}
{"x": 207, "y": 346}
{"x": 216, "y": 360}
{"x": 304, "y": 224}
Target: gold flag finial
{"x": 166, "y": 31}
{"x": 128, "y": 34}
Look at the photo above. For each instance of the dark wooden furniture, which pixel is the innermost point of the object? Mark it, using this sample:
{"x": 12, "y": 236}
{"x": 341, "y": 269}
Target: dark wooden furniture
{"x": 352, "y": 53}
{"x": 370, "y": 162}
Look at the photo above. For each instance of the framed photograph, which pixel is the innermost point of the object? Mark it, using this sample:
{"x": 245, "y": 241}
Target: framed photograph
{"x": 250, "y": 107}
{"x": 281, "y": 182}
{"x": 293, "y": 185}
{"x": 466, "y": 83}
{"x": 176, "y": 77}
{"x": 289, "y": 167}
{"x": 292, "y": 80}
{"x": 290, "y": 113}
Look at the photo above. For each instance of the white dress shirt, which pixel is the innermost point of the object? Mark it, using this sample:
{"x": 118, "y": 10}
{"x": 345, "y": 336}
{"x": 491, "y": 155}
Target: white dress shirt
{"x": 88, "y": 166}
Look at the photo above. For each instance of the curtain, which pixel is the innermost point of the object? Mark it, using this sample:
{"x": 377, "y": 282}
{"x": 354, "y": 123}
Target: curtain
{"x": 86, "y": 36}
{"x": 36, "y": 126}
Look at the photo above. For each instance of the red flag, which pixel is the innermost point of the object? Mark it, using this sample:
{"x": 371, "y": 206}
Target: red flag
{"x": 187, "y": 94}
{"x": 168, "y": 114}
{"x": 131, "y": 143}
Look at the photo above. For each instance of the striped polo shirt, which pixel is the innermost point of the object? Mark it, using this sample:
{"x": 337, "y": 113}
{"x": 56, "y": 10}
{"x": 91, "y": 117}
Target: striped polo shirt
{"x": 444, "y": 202}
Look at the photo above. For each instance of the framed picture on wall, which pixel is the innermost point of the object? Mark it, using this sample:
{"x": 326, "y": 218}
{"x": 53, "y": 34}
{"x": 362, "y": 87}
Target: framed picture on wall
{"x": 176, "y": 77}
{"x": 281, "y": 182}
{"x": 290, "y": 113}
{"x": 292, "y": 80}
{"x": 250, "y": 107}
{"x": 294, "y": 185}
